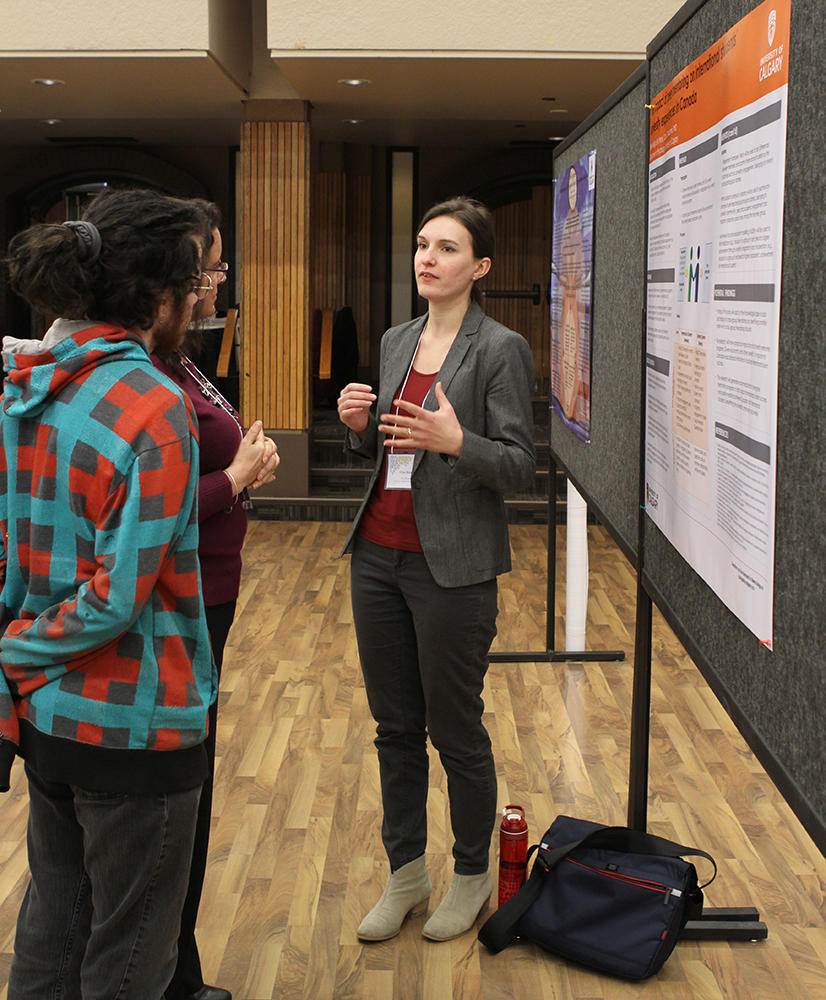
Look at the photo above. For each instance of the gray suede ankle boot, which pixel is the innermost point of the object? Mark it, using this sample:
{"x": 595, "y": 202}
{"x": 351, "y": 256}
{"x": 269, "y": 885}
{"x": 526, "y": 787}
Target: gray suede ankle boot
{"x": 458, "y": 911}
{"x": 406, "y": 889}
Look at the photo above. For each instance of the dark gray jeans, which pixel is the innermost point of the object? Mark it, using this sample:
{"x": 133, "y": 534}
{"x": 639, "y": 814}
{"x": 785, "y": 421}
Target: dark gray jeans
{"x": 423, "y": 651}
{"x": 101, "y": 914}
{"x": 188, "y": 978}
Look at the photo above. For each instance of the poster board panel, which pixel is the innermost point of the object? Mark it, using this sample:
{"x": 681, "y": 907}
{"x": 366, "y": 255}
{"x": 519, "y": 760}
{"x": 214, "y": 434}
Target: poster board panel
{"x": 715, "y": 227}
{"x": 608, "y": 467}
{"x": 777, "y": 699}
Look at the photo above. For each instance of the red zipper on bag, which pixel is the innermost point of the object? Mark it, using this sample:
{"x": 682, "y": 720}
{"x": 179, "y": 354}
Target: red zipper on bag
{"x": 630, "y": 880}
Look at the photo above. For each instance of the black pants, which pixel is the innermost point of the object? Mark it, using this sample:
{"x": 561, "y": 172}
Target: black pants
{"x": 423, "y": 651}
{"x": 108, "y": 875}
{"x": 188, "y": 978}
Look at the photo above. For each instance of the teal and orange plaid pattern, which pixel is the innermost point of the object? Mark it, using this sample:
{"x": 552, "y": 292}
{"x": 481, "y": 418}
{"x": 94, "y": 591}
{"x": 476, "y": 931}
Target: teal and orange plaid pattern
{"x": 104, "y": 640}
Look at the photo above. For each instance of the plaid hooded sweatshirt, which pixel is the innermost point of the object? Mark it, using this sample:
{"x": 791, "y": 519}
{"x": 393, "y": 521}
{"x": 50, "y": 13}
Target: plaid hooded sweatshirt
{"x": 107, "y": 671}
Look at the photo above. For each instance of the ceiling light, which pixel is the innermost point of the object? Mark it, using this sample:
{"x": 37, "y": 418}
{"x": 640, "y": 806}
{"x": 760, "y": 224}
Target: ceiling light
{"x": 46, "y": 82}
{"x": 352, "y": 121}
{"x": 557, "y": 111}
{"x": 354, "y": 82}
{"x": 50, "y": 121}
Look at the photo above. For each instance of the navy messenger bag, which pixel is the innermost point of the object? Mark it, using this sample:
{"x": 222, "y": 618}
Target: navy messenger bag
{"x": 610, "y": 898}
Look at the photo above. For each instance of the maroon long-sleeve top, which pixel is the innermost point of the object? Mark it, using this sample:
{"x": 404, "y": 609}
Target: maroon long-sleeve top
{"x": 221, "y": 516}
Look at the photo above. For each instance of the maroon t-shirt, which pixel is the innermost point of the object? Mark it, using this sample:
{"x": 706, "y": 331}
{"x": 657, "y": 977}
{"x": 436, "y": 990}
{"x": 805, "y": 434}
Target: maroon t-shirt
{"x": 388, "y": 518}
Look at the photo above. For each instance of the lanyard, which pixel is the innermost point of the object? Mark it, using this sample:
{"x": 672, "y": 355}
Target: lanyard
{"x": 407, "y": 376}
{"x": 209, "y": 392}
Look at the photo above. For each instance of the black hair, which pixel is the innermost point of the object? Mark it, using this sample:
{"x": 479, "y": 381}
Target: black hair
{"x": 150, "y": 243}
{"x": 213, "y": 217}
{"x": 478, "y": 221}
{"x": 193, "y": 342}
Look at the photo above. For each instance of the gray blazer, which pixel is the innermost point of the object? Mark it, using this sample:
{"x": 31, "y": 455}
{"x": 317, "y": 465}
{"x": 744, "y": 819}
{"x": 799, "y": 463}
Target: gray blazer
{"x": 458, "y": 502}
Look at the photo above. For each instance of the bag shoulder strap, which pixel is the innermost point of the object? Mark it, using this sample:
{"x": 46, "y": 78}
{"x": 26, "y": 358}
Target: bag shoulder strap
{"x": 621, "y": 838}
{"x": 500, "y": 929}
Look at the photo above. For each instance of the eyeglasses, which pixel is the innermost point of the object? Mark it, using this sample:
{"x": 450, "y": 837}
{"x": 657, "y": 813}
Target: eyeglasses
{"x": 220, "y": 270}
{"x": 200, "y": 289}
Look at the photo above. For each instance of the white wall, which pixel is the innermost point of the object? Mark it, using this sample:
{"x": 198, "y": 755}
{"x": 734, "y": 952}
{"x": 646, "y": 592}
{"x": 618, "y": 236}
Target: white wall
{"x": 103, "y": 25}
{"x": 581, "y": 27}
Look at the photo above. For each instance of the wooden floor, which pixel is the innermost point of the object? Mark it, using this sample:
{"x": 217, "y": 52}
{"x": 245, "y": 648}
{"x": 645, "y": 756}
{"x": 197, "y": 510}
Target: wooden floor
{"x": 296, "y": 857}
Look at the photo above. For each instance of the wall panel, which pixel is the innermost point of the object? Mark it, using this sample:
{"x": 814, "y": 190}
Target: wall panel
{"x": 275, "y": 282}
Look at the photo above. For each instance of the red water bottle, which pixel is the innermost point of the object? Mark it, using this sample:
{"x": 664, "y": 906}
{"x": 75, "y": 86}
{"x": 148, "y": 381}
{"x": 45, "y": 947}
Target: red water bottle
{"x": 513, "y": 851}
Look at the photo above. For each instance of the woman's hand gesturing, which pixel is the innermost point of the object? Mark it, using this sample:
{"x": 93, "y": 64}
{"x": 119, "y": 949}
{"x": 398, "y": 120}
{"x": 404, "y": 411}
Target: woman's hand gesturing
{"x": 354, "y": 404}
{"x": 415, "y": 427}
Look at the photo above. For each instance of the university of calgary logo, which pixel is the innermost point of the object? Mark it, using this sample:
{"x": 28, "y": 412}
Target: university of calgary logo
{"x": 772, "y": 26}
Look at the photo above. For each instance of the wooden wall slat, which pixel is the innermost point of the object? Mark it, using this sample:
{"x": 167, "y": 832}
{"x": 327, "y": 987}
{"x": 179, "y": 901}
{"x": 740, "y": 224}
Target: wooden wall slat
{"x": 299, "y": 328}
{"x": 288, "y": 355}
{"x": 279, "y": 303}
{"x": 302, "y": 230}
{"x": 244, "y": 237}
{"x": 274, "y": 306}
{"x": 265, "y": 241}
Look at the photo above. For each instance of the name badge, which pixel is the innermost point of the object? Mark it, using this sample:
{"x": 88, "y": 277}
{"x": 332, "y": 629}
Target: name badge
{"x": 399, "y": 470}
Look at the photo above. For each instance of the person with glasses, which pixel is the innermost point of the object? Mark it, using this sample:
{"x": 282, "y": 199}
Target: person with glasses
{"x": 201, "y": 285}
{"x": 106, "y": 672}
{"x": 219, "y": 269}
{"x": 232, "y": 461}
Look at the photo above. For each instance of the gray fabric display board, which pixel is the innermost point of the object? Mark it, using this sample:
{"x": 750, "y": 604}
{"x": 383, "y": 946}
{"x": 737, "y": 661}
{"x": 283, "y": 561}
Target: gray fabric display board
{"x": 606, "y": 471}
{"x": 776, "y": 698}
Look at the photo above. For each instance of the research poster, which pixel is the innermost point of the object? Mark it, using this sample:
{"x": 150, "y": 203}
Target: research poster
{"x": 715, "y": 235}
{"x": 571, "y": 267}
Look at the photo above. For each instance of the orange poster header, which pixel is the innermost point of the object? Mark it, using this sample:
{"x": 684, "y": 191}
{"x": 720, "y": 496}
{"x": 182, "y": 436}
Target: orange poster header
{"x": 748, "y": 62}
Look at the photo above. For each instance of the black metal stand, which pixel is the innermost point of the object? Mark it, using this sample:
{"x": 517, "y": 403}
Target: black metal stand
{"x": 550, "y": 654}
{"x": 716, "y": 923}
{"x": 535, "y": 294}
{"x": 726, "y": 923}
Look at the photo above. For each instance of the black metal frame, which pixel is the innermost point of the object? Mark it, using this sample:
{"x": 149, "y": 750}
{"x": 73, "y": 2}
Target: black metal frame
{"x": 550, "y": 654}
{"x": 715, "y": 923}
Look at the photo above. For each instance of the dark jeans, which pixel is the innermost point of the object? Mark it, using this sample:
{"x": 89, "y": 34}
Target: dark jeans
{"x": 188, "y": 978}
{"x": 101, "y": 914}
{"x": 423, "y": 651}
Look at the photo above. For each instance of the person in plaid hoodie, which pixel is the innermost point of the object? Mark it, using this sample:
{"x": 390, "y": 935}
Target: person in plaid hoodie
{"x": 107, "y": 673}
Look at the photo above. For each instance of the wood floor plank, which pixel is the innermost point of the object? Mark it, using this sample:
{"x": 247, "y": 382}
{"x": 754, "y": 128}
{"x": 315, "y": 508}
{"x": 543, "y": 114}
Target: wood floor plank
{"x": 296, "y": 857}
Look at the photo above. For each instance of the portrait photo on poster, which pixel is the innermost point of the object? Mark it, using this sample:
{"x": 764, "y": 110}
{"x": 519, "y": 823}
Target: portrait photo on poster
{"x": 571, "y": 269}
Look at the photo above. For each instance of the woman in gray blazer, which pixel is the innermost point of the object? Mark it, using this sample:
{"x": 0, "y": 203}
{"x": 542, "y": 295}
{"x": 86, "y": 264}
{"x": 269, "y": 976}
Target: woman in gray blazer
{"x": 454, "y": 432}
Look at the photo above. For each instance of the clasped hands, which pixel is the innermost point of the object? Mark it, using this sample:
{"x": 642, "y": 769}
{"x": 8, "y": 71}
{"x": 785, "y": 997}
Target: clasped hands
{"x": 256, "y": 460}
{"x": 411, "y": 426}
